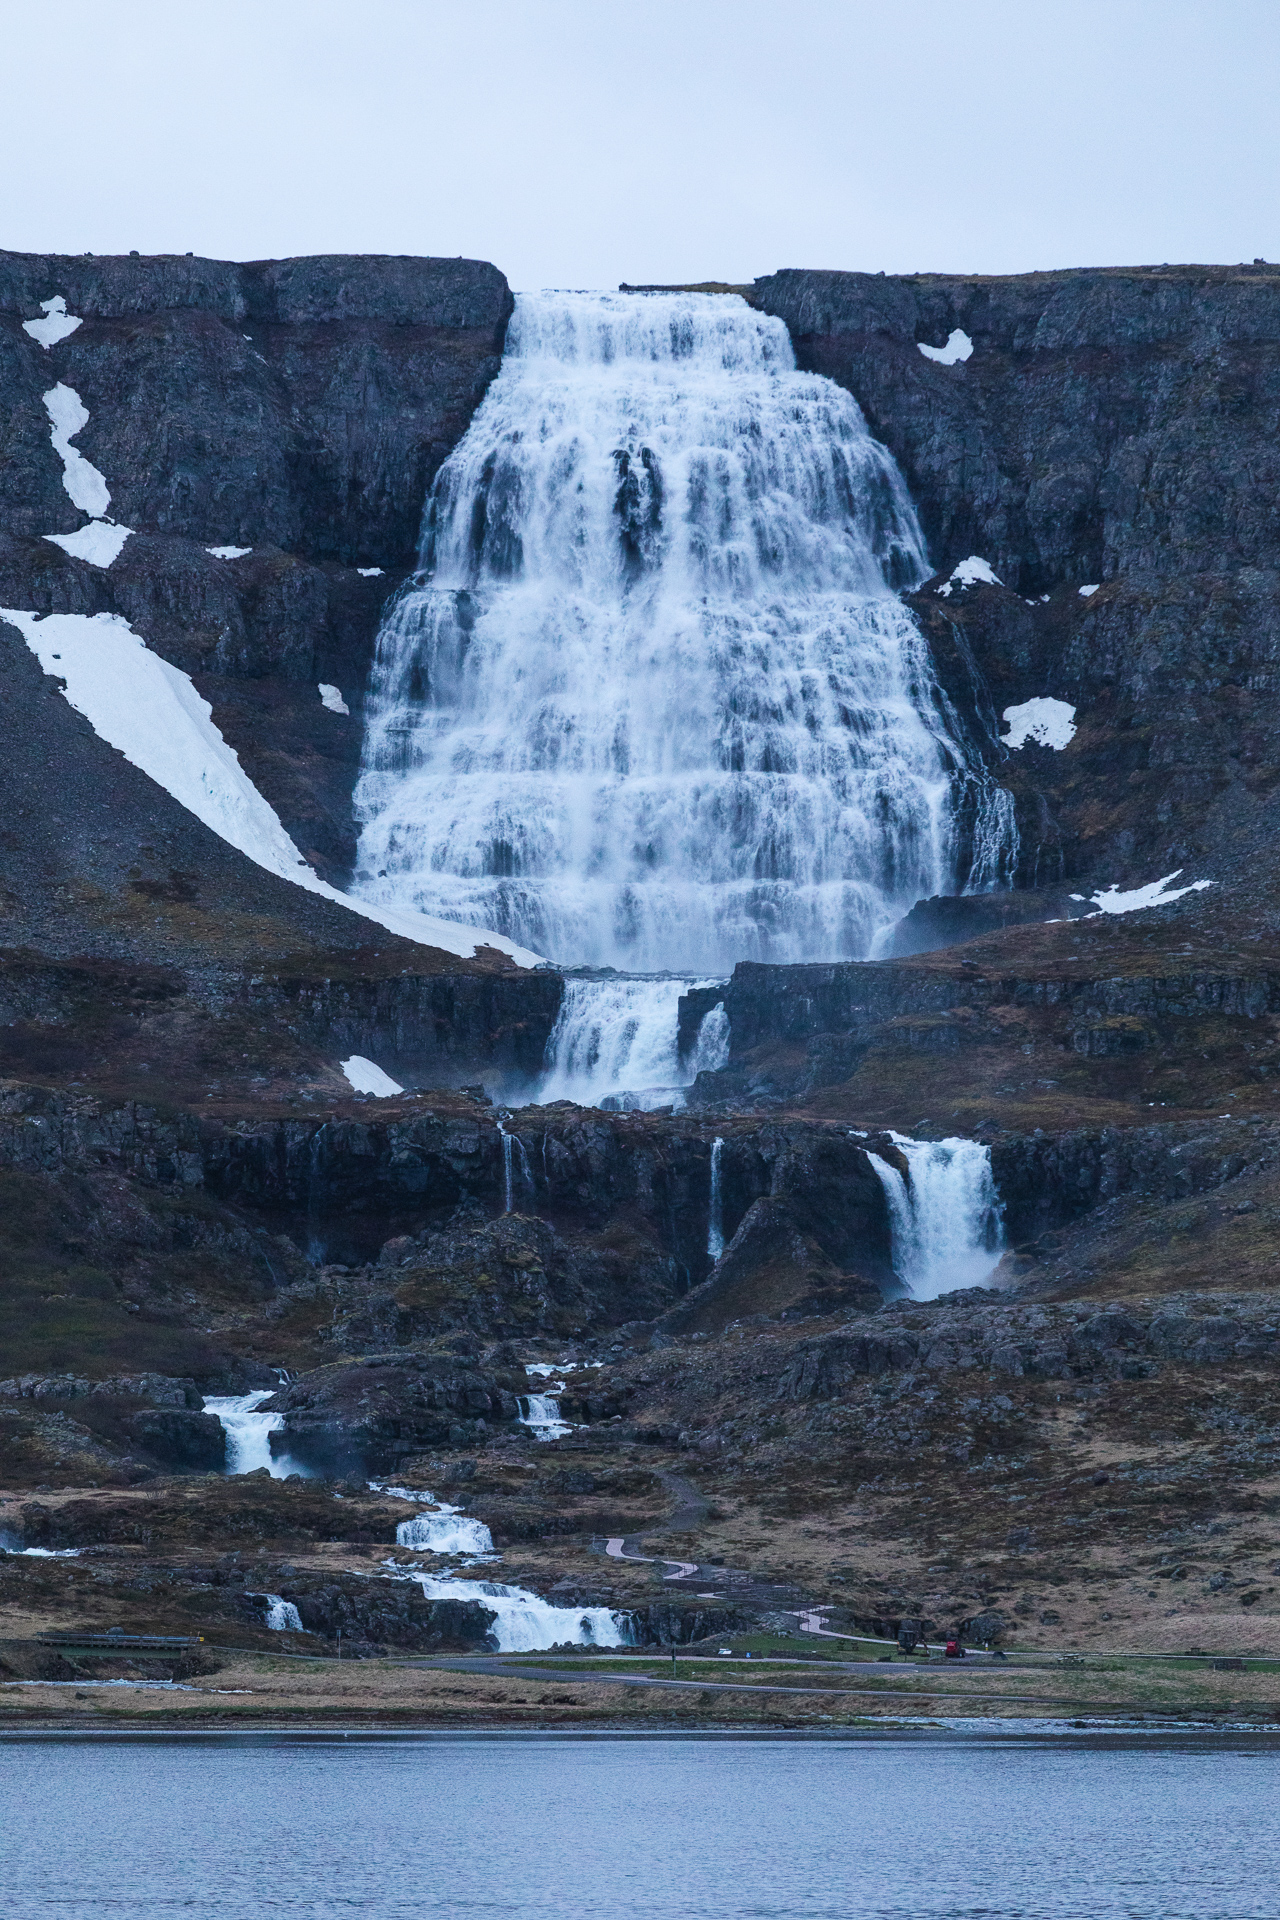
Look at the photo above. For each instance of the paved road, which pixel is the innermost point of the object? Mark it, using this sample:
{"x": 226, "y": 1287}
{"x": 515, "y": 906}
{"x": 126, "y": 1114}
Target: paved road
{"x": 495, "y": 1664}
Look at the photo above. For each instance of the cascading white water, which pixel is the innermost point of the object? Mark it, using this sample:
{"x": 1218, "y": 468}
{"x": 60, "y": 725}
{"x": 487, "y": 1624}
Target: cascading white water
{"x": 541, "y": 1413}
{"x": 249, "y": 1434}
{"x": 526, "y": 1623}
{"x": 655, "y": 703}
{"x": 616, "y": 1037}
{"x": 444, "y": 1530}
{"x": 282, "y": 1615}
{"x": 715, "y": 1215}
{"x": 948, "y": 1220}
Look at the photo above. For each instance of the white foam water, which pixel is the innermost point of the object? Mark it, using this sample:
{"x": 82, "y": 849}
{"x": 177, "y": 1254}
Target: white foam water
{"x": 525, "y": 1622}
{"x": 249, "y": 1433}
{"x": 947, "y": 1219}
{"x": 715, "y": 1211}
{"x": 541, "y": 1413}
{"x": 444, "y": 1530}
{"x": 282, "y": 1615}
{"x": 653, "y": 701}
{"x": 615, "y": 1040}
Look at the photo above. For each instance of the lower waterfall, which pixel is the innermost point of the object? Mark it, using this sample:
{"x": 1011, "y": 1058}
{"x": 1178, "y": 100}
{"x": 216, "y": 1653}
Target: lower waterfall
{"x": 528, "y": 1624}
{"x": 615, "y": 1044}
{"x": 444, "y": 1530}
{"x": 947, "y": 1219}
{"x": 715, "y": 1210}
{"x": 540, "y": 1412}
{"x": 249, "y": 1433}
{"x": 282, "y": 1615}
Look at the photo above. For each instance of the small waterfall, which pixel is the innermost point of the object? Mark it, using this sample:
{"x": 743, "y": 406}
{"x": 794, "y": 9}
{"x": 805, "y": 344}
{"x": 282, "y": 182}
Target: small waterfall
{"x": 444, "y": 1530}
{"x": 528, "y": 1624}
{"x": 507, "y": 1182}
{"x": 710, "y": 1049}
{"x": 315, "y": 1186}
{"x": 541, "y": 1413}
{"x": 513, "y": 1149}
{"x": 715, "y": 1217}
{"x": 249, "y": 1434}
{"x": 615, "y": 1043}
{"x": 282, "y": 1615}
{"x": 947, "y": 1220}
{"x": 653, "y": 700}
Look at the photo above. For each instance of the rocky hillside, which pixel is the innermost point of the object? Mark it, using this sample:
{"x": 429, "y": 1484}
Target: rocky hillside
{"x": 195, "y": 1201}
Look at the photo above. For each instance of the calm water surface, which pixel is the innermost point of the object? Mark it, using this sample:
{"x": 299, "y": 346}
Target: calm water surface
{"x": 966, "y": 1828}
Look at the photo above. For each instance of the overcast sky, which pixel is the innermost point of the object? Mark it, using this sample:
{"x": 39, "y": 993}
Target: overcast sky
{"x": 580, "y": 143}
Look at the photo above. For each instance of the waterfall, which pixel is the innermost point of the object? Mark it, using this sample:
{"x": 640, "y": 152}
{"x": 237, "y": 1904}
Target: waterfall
{"x": 282, "y": 1615}
{"x": 614, "y": 1042}
{"x": 528, "y": 1624}
{"x": 715, "y": 1216}
{"x": 652, "y": 700}
{"x": 249, "y": 1434}
{"x": 541, "y": 1413}
{"x": 507, "y": 1182}
{"x": 947, "y": 1220}
{"x": 444, "y": 1531}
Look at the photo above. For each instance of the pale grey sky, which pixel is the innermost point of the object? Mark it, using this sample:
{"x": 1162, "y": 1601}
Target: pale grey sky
{"x": 578, "y": 143}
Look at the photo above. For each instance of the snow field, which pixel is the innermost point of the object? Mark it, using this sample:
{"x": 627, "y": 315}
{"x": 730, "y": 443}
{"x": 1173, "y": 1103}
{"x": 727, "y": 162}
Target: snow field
{"x": 152, "y": 713}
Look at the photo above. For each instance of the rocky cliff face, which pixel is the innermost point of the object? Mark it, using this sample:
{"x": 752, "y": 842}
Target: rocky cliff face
{"x": 1112, "y": 429}
{"x": 296, "y": 408}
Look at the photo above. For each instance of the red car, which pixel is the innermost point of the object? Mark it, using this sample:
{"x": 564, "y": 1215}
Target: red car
{"x": 953, "y": 1650}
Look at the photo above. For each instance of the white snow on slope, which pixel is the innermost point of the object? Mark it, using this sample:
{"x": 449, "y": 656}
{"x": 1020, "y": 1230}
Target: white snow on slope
{"x": 1086, "y": 592}
{"x": 99, "y": 543}
{"x": 369, "y": 573}
{"x": 366, "y": 1077}
{"x": 55, "y": 326}
{"x": 151, "y": 712}
{"x": 970, "y": 573}
{"x": 1152, "y": 895}
{"x": 959, "y": 346}
{"x": 228, "y": 553}
{"x": 1050, "y": 722}
{"x": 67, "y": 415}
{"x": 332, "y": 699}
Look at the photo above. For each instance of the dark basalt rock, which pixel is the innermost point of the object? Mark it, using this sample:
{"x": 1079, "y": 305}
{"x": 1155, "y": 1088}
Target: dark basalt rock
{"x": 1112, "y": 428}
{"x": 374, "y": 1614}
{"x": 300, "y": 408}
{"x": 368, "y": 1415}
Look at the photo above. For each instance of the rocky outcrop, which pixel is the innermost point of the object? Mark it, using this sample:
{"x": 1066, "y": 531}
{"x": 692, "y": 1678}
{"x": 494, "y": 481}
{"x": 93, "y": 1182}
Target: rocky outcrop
{"x": 1111, "y": 430}
{"x": 368, "y": 1415}
{"x": 1107, "y": 422}
{"x": 298, "y": 409}
{"x": 977, "y": 1332}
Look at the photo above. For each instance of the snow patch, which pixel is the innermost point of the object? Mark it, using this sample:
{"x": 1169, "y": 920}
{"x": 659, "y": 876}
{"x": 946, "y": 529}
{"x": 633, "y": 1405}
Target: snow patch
{"x": 55, "y": 326}
{"x": 959, "y": 346}
{"x": 972, "y": 572}
{"x": 366, "y": 1077}
{"x": 1049, "y": 722}
{"x": 1152, "y": 895}
{"x": 331, "y": 699}
{"x": 67, "y": 416}
{"x": 228, "y": 553}
{"x": 369, "y": 573}
{"x": 150, "y": 711}
{"x": 1085, "y": 592}
{"x": 99, "y": 543}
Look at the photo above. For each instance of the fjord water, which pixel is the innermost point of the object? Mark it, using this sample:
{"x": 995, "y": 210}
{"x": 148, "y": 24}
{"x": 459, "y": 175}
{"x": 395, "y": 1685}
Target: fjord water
{"x": 1067, "y": 1827}
{"x": 653, "y": 702}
